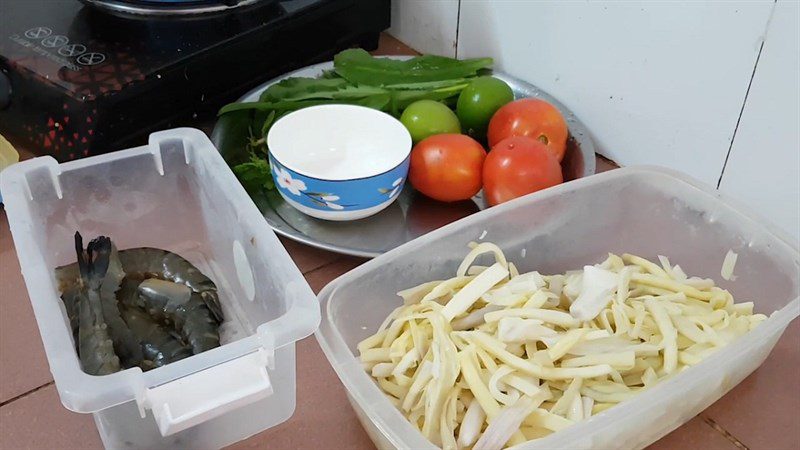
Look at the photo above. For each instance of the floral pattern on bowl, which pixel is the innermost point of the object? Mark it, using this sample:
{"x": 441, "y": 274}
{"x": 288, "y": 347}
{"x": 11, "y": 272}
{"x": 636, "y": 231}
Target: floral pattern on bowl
{"x": 360, "y": 194}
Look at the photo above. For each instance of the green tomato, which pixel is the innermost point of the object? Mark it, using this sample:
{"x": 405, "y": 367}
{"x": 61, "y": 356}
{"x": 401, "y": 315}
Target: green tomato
{"x": 478, "y": 102}
{"x": 425, "y": 118}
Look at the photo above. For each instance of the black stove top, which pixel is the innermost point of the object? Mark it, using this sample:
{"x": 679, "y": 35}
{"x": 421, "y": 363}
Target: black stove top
{"x": 85, "y": 79}
{"x": 168, "y": 7}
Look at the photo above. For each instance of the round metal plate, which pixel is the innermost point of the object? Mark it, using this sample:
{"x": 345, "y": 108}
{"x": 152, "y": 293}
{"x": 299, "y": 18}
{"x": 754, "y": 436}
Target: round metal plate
{"x": 412, "y": 214}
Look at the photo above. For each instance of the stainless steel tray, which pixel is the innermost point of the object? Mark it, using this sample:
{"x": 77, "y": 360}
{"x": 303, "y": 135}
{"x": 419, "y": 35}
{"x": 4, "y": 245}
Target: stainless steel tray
{"x": 412, "y": 214}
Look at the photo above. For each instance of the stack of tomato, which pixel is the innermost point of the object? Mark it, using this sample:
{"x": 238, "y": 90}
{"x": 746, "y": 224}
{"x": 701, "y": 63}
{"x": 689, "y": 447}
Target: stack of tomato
{"x": 527, "y": 139}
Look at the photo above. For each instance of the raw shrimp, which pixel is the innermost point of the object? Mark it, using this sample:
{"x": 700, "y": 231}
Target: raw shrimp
{"x": 125, "y": 344}
{"x": 143, "y": 263}
{"x": 127, "y": 294}
{"x": 138, "y": 307}
{"x": 69, "y": 284}
{"x": 177, "y": 304}
{"x": 159, "y": 345}
{"x": 95, "y": 348}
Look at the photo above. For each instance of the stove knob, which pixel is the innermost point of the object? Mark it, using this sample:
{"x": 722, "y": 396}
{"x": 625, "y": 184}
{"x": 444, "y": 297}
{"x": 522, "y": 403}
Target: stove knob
{"x": 5, "y": 90}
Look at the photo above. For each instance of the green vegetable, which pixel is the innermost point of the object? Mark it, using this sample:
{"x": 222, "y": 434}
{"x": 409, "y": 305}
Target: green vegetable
{"x": 384, "y": 99}
{"x": 295, "y": 89}
{"x": 428, "y": 84}
{"x": 254, "y": 175}
{"x": 358, "y": 66}
{"x": 290, "y": 88}
{"x": 478, "y": 102}
{"x": 427, "y": 117}
{"x": 268, "y": 121}
{"x": 240, "y": 138}
{"x": 231, "y": 136}
{"x": 378, "y": 101}
{"x": 402, "y": 99}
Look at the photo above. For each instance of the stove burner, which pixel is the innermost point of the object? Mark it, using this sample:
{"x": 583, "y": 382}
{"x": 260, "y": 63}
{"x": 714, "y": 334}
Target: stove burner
{"x": 167, "y": 7}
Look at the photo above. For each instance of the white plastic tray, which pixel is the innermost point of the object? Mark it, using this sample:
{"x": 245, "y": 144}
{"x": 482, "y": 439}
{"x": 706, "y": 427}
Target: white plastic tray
{"x": 176, "y": 194}
{"x": 645, "y": 211}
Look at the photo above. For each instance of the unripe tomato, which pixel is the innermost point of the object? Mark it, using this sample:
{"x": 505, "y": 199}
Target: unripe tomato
{"x": 478, "y": 102}
{"x": 425, "y": 118}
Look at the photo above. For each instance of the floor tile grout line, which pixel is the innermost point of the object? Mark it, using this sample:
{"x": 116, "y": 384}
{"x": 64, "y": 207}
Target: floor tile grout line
{"x": 719, "y": 429}
{"x": 340, "y": 258}
{"x": 25, "y": 394}
{"x": 308, "y": 271}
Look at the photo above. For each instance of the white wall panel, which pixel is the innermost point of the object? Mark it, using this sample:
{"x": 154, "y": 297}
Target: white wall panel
{"x": 764, "y": 165}
{"x": 428, "y": 26}
{"x": 656, "y": 82}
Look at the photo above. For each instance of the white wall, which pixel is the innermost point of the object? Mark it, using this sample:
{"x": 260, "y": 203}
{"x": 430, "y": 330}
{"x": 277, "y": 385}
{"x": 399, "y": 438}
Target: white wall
{"x": 656, "y": 82}
{"x": 429, "y": 26}
{"x": 765, "y": 158}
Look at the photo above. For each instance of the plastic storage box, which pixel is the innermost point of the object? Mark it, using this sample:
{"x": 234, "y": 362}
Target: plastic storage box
{"x": 177, "y": 194}
{"x": 644, "y": 211}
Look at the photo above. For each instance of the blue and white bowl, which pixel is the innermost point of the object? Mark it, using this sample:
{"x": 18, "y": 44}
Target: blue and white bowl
{"x": 339, "y": 162}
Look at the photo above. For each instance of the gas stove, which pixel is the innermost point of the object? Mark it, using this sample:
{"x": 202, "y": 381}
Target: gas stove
{"x": 81, "y": 78}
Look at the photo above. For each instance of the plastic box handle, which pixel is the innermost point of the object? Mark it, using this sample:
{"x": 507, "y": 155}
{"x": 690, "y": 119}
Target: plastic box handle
{"x": 209, "y": 393}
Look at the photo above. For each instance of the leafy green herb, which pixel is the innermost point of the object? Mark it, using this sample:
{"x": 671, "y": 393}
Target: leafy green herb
{"x": 428, "y": 84}
{"x": 358, "y": 66}
{"x": 287, "y": 106}
{"x": 254, "y": 175}
{"x": 404, "y": 98}
{"x": 371, "y": 97}
{"x": 267, "y": 124}
{"x": 329, "y": 74}
{"x": 344, "y": 93}
{"x": 291, "y": 88}
{"x": 361, "y": 79}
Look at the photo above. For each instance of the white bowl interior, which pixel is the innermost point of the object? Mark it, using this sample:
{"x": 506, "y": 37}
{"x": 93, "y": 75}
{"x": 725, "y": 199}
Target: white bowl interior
{"x": 339, "y": 142}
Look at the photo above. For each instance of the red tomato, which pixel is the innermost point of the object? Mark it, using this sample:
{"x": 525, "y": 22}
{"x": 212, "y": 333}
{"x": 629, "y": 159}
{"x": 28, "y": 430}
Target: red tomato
{"x": 530, "y": 117}
{"x": 517, "y": 166}
{"x": 447, "y": 167}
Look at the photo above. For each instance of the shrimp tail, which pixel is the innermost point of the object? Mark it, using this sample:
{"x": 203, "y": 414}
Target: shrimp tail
{"x": 96, "y": 262}
{"x": 93, "y": 263}
{"x": 95, "y": 347}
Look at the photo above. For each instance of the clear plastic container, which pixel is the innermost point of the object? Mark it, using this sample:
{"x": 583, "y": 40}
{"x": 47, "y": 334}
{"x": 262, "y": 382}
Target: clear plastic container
{"x": 645, "y": 211}
{"x": 177, "y": 194}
